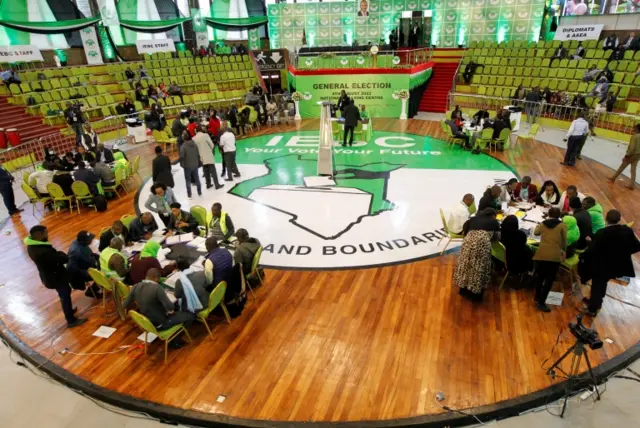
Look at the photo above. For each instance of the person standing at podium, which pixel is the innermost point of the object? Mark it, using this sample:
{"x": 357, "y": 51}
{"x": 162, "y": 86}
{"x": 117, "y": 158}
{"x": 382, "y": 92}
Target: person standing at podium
{"x": 351, "y": 118}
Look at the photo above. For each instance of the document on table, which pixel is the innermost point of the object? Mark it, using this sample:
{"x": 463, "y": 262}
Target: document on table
{"x": 198, "y": 265}
{"x": 137, "y": 247}
{"x": 162, "y": 254}
{"x": 186, "y": 237}
{"x": 535, "y": 215}
{"x": 525, "y": 205}
{"x": 158, "y": 236}
{"x": 197, "y": 242}
{"x": 171, "y": 280}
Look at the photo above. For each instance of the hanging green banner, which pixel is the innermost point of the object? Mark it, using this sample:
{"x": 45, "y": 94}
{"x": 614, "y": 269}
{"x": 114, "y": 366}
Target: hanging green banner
{"x": 375, "y": 91}
{"x": 254, "y": 39}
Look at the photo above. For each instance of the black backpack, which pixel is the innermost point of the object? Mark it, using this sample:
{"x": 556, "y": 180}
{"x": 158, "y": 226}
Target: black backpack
{"x": 100, "y": 202}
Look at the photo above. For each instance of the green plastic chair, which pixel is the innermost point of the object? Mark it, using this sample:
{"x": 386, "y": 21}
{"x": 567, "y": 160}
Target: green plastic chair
{"x": 200, "y": 214}
{"x": 34, "y": 199}
{"x": 215, "y": 298}
{"x": 119, "y": 173}
{"x": 450, "y": 235}
{"x": 82, "y": 193}
{"x": 103, "y": 282}
{"x": 500, "y": 253}
{"x": 57, "y": 194}
{"x": 570, "y": 265}
{"x": 165, "y": 335}
{"x": 127, "y": 219}
{"x": 503, "y": 138}
{"x": 484, "y": 139}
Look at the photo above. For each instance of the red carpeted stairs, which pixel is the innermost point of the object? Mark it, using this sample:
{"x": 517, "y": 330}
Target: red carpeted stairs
{"x": 29, "y": 127}
{"x": 434, "y": 98}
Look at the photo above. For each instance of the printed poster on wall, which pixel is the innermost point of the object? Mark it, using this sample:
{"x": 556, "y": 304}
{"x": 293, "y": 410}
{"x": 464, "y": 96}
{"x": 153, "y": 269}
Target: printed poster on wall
{"x": 23, "y": 53}
{"x": 91, "y": 46}
{"x": 153, "y": 46}
{"x": 578, "y": 32}
{"x": 375, "y": 91}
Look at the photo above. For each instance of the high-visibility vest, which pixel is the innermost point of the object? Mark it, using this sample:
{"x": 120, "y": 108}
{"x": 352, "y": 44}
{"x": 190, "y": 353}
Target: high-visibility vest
{"x": 223, "y": 222}
{"x": 105, "y": 256}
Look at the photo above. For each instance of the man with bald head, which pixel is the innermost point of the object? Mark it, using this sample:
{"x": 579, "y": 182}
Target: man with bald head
{"x": 153, "y": 302}
{"x": 460, "y": 213}
{"x": 218, "y": 265}
{"x": 113, "y": 263}
{"x": 142, "y": 227}
{"x": 490, "y": 199}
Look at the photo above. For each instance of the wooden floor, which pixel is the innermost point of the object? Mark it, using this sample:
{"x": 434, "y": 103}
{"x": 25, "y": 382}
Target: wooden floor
{"x": 350, "y": 345}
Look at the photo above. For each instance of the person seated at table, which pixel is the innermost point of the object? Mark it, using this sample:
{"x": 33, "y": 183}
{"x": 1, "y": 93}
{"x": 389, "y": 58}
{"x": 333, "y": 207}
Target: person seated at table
{"x": 549, "y": 196}
{"x": 113, "y": 263}
{"x": 566, "y": 196}
{"x": 103, "y": 154}
{"x": 507, "y": 194}
{"x": 473, "y": 269}
{"x": 221, "y": 226}
{"x": 490, "y": 199}
{"x": 191, "y": 288}
{"x": 364, "y": 113}
{"x": 81, "y": 258}
{"x": 103, "y": 172}
{"x": 573, "y": 234}
{"x": 142, "y": 227}
{"x": 42, "y": 178}
{"x": 87, "y": 176}
{"x": 181, "y": 221}
{"x": 160, "y": 200}
{"x": 69, "y": 162}
{"x": 498, "y": 125}
{"x": 526, "y": 191}
{"x": 595, "y": 211}
{"x": 460, "y": 213}
{"x": 479, "y": 116}
{"x": 583, "y": 219}
{"x": 153, "y": 303}
{"x": 551, "y": 253}
{"x": 485, "y": 125}
{"x": 148, "y": 259}
{"x": 457, "y": 133}
{"x": 218, "y": 265}
{"x": 246, "y": 249}
{"x": 456, "y": 113}
{"x": 117, "y": 230}
{"x": 519, "y": 255}
{"x": 63, "y": 178}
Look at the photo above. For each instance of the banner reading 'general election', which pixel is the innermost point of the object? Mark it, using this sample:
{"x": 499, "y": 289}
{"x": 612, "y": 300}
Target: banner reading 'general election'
{"x": 375, "y": 91}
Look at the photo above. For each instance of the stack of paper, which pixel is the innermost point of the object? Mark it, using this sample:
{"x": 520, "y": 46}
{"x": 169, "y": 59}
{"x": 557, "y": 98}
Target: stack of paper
{"x": 525, "y": 205}
{"x": 197, "y": 242}
{"x": 535, "y": 215}
{"x": 186, "y": 237}
{"x": 104, "y": 332}
{"x": 137, "y": 247}
{"x": 162, "y": 254}
{"x": 198, "y": 264}
{"x": 158, "y": 236}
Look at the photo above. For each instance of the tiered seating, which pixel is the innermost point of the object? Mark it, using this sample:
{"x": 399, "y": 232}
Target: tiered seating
{"x": 508, "y": 65}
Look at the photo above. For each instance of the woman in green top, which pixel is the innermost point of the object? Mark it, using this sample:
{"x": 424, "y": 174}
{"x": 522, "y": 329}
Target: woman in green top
{"x": 573, "y": 234}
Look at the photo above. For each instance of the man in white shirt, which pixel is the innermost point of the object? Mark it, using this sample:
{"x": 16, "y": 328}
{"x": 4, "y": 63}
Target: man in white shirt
{"x": 228, "y": 144}
{"x": 42, "y": 179}
{"x": 460, "y": 213}
{"x": 205, "y": 149}
{"x": 577, "y": 134}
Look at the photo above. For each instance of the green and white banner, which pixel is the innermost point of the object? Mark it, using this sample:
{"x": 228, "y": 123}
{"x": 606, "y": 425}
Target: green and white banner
{"x": 91, "y": 46}
{"x": 20, "y": 53}
{"x": 375, "y": 91}
{"x": 153, "y": 46}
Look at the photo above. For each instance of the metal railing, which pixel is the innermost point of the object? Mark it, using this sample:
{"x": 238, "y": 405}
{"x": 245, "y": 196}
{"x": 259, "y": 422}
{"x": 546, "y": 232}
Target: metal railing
{"x": 621, "y": 123}
{"x": 407, "y": 57}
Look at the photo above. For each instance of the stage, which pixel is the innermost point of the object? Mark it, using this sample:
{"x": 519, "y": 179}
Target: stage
{"x": 360, "y": 339}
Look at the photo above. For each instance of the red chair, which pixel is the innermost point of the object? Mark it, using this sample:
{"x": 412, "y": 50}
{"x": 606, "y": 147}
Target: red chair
{"x": 14, "y": 137}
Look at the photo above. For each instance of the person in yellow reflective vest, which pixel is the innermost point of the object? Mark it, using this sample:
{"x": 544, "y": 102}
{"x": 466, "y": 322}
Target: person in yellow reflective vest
{"x": 112, "y": 262}
{"x": 221, "y": 225}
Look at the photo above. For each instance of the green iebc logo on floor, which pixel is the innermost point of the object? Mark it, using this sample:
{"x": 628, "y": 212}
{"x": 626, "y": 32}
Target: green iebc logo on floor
{"x": 382, "y": 206}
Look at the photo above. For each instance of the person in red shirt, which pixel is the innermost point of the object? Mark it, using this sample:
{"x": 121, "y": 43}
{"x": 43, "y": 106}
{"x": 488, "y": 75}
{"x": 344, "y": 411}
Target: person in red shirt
{"x": 192, "y": 126}
{"x": 214, "y": 124}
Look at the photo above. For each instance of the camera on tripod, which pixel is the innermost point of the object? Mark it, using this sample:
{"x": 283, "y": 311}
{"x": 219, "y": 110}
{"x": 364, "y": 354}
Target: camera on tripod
{"x": 585, "y": 335}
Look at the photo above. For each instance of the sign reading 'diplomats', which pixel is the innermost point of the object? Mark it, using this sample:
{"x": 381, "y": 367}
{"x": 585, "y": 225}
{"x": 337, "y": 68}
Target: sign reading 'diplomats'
{"x": 20, "y": 53}
{"x": 153, "y": 46}
{"x": 578, "y": 32}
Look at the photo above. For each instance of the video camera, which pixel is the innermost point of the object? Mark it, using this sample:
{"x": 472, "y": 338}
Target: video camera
{"x": 585, "y": 335}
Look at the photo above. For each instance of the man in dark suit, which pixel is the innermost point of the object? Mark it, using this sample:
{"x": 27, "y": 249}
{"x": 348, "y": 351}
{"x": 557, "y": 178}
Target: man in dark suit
{"x": 343, "y": 101}
{"x": 103, "y": 154}
{"x": 87, "y": 176}
{"x": 118, "y": 230}
{"x": 609, "y": 257}
{"x": 351, "y": 118}
{"x": 53, "y": 273}
{"x": 161, "y": 169}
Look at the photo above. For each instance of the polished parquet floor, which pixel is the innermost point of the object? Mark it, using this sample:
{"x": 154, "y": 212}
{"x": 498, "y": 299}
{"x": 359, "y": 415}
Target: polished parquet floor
{"x": 349, "y": 345}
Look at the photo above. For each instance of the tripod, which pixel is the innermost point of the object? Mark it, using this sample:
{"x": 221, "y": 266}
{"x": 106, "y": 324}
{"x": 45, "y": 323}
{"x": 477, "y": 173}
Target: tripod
{"x": 578, "y": 350}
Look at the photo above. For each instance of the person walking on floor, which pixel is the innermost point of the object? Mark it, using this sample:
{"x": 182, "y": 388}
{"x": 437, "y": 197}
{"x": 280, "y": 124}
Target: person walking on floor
{"x": 609, "y": 257}
{"x": 631, "y": 158}
{"x": 205, "y": 149}
{"x": 190, "y": 162}
{"x": 351, "y": 118}
{"x": 161, "y": 169}
{"x": 575, "y": 138}
{"x": 551, "y": 253}
{"x": 6, "y": 190}
{"x": 53, "y": 273}
{"x": 228, "y": 145}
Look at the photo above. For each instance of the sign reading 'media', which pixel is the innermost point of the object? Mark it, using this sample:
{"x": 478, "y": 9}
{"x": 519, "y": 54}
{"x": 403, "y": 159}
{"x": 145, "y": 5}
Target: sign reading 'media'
{"x": 380, "y": 207}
